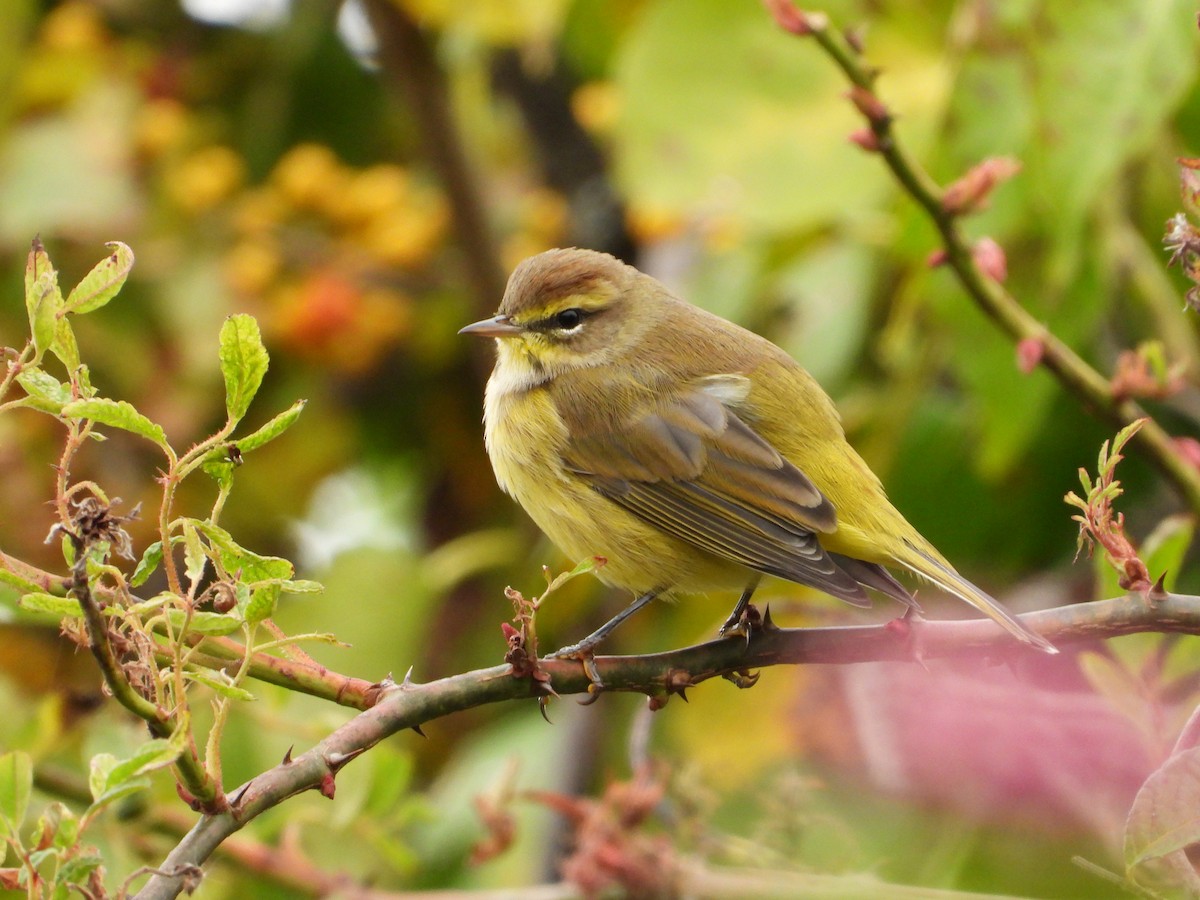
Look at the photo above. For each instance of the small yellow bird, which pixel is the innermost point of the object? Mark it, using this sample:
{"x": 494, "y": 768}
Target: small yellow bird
{"x": 690, "y": 453}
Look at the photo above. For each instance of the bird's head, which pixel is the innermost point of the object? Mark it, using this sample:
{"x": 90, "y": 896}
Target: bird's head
{"x": 563, "y": 310}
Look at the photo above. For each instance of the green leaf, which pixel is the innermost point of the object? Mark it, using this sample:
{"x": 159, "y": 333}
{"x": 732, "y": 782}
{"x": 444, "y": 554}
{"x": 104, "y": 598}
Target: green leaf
{"x": 154, "y": 754}
{"x": 43, "y": 299}
{"x": 1165, "y": 816}
{"x": 12, "y": 579}
{"x": 64, "y": 347}
{"x": 110, "y": 779}
{"x": 234, "y": 558}
{"x": 221, "y": 685}
{"x": 47, "y": 392}
{"x": 59, "y": 607}
{"x": 194, "y": 556}
{"x": 77, "y": 868}
{"x": 104, "y": 281}
{"x": 301, "y": 586}
{"x": 117, "y": 414}
{"x": 203, "y": 622}
{"x": 58, "y": 825}
{"x": 263, "y": 602}
{"x": 112, "y": 795}
{"x": 244, "y": 362}
{"x": 158, "y": 601}
{"x": 151, "y": 560}
{"x": 16, "y": 782}
{"x": 272, "y": 429}
{"x": 99, "y": 767}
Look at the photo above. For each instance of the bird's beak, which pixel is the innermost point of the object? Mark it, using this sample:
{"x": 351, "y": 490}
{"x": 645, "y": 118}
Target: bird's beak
{"x": 497, "y": 326}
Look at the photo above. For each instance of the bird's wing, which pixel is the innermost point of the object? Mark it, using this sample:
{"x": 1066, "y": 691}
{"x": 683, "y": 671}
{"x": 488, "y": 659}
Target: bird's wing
{"x": 689, "y": 465}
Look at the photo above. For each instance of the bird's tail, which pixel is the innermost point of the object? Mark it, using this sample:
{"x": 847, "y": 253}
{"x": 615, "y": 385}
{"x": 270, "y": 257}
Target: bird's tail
{"x": 942, "y": 575}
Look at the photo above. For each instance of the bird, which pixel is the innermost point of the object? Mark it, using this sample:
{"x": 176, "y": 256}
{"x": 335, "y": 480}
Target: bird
{"x": 690, "y": 453}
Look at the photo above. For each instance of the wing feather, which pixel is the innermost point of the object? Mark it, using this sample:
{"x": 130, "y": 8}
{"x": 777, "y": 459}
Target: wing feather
{"x": 690, "y": 465}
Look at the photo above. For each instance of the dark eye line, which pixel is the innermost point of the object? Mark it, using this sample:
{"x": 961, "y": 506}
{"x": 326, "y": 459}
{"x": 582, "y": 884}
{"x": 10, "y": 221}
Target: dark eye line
{"x": 566, "y": 320}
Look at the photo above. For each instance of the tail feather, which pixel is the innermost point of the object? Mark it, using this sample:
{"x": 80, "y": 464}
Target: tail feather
{"x": 949, "y": 580}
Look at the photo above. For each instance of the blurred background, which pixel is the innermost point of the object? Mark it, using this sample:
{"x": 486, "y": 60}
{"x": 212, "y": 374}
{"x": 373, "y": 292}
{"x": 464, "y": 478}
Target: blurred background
{"x": 361, "y": 177}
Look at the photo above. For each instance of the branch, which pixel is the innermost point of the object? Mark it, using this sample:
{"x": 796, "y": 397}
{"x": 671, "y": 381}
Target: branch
{"x": 1072, "y": 372}
{"x": 410, "y": 705}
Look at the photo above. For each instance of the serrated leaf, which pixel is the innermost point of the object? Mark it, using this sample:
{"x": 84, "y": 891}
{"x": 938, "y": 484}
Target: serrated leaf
{"x": 151, "y": 559}
{"x": 43, "y": 304}
{"x": 272, "y": 429}
{"x": 194, "y": 557}
{"x": 102, "y": 283}
{"x": 59, "y": 607}
{"x": 50, "y": 394}
{"x": 98, "y": 768}
{"x": 1165, "y": 816}
{"x": 112, "y": 795}
{"x": 116, "y": 414}
{"x": 14, "y": 580}
{"x": 43, "y": 299}
{"x": 77, "y": 868}
{"x": 263, "y": 602}
{"x": 222, "y": 687}
{"x": 16, "y": 783}
{"x": 217, "y": 466}
{"x": 154, "y": 603}
{"x": 202, "y": 622}
{"x": 58, "y": 825}
{"x": 244, "y": 362}
{"x": 301, "y": 586}
{"x": 234, "y": 557}
{"x": 64, "y": 346}
{"x": 154, "y": 754}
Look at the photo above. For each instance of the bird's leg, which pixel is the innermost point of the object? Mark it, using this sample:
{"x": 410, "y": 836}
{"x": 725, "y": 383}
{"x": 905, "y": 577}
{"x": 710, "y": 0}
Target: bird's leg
{"x": 583, "y": 649}
{"x": 735, "y": 624}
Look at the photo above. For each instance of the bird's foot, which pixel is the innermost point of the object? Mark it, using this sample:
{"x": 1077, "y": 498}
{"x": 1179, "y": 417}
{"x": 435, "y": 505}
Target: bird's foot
{"x": 585, "y": 653}
{"x": 742, "y": 623}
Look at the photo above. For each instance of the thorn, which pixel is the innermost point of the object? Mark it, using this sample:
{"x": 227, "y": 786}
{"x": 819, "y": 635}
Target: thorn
{"x": 408, "y": 682}
{"x": 854, "y": 38}
{"x": 417, "y": 729}
{"x": 1159, "y": 591}
{"x": 287, "y": 757}
{"x": 236, "y": 799}
{"x": 337, "y": 761}
{"x": 677, "y": 681}
{"x": 543, "y": 703}
{"x": 768, "y": 624}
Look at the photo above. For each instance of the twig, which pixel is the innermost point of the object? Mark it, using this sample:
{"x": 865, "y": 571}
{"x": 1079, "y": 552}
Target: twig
{"x": 409, "y": 705}
{"x": 192, "y": 773}
{"x": 988, "y": 294}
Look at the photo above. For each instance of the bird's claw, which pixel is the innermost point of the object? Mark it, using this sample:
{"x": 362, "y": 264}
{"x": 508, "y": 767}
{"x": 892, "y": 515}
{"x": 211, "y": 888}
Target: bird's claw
{"x": 585, "y": 653}
{"x": 742, "y": 623}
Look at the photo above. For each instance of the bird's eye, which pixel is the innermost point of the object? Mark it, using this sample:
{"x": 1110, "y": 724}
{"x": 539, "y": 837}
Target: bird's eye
{"x": 569, "y": 319}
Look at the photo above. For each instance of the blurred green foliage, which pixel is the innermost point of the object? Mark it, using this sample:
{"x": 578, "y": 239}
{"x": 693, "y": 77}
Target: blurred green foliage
{"x": 269, "y": 171}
